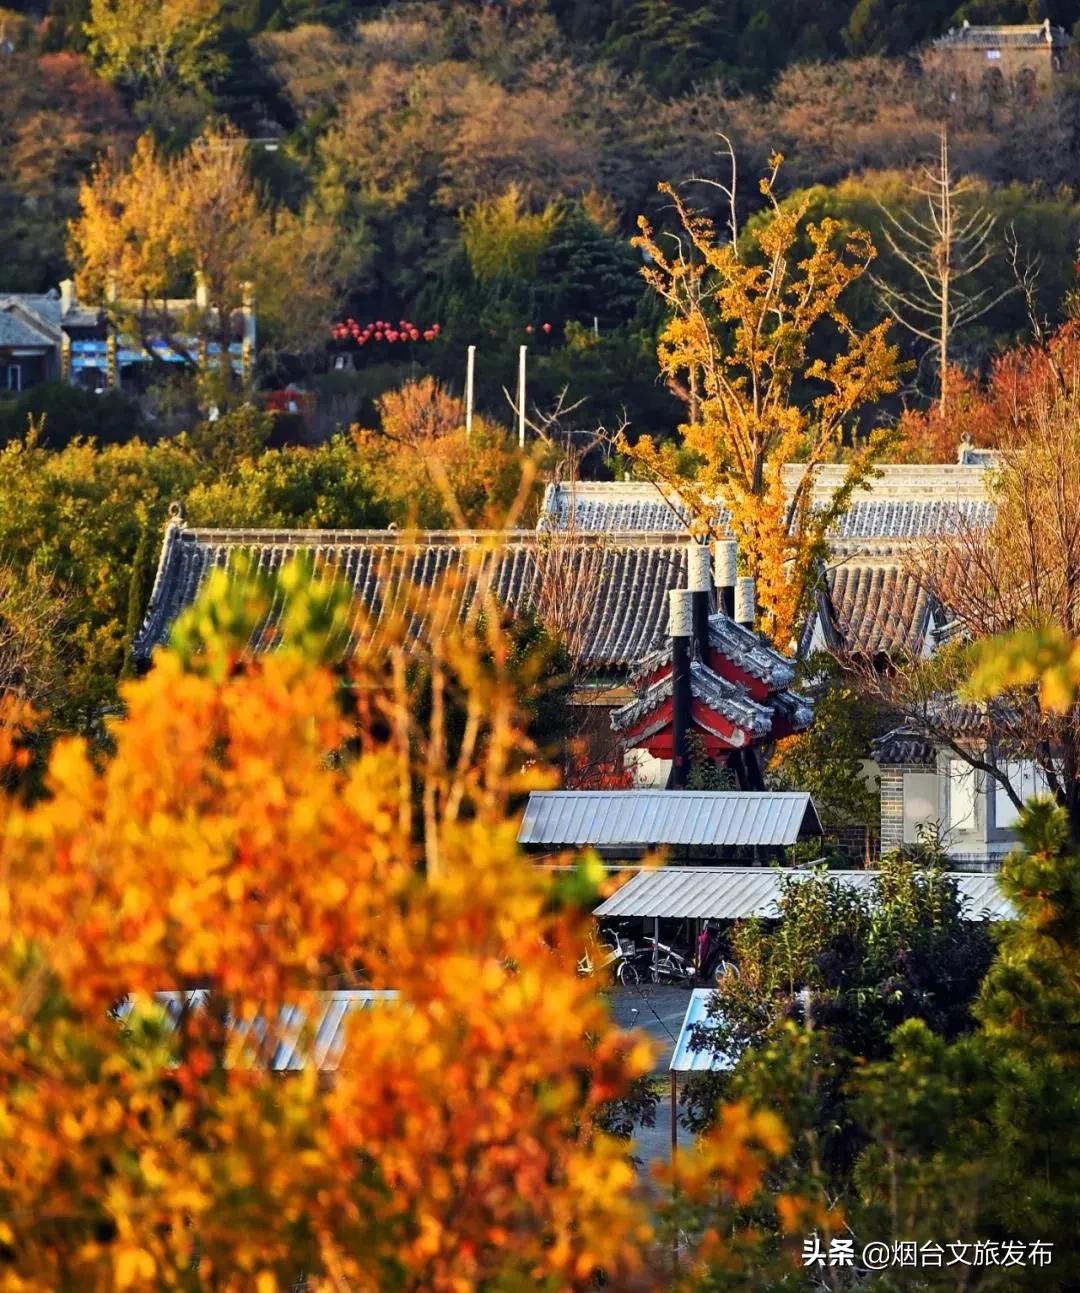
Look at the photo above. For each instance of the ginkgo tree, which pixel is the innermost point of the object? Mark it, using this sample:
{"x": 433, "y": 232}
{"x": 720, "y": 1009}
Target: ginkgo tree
{"x": 151, "y": 227}
{"x": 775, "y": 372}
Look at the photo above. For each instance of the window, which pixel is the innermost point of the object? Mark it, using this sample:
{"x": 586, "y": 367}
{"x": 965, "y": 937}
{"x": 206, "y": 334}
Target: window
{"x": 1027, "y": 780}
{"x": 13, "y": 378}
{"x": 993, "y": 55}
{"x": 920, "y": 803}
{"x": 962, "y": 791}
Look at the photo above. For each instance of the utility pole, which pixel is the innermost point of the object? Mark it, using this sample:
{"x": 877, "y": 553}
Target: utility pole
{"x": 521, "y": 396}
{"x": 470, "y": 373}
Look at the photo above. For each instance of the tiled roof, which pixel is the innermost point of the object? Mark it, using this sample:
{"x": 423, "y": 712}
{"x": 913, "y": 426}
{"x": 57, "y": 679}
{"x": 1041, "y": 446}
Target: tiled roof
{"x": 901, "y": 502}
{"x": 49, "y": 307}
{"x": 736, "y": 643}
{"x": 728, "y": 699}
{"x": 903, "y": 745}
{"x": 20, "y": 326}
{"x": 622, "y": 621}
{"x": 879, "y": 608}
{"x": 999, "y": 37}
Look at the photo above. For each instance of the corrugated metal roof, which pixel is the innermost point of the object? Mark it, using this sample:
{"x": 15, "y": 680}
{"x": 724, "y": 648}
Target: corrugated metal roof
{"x": 737, "y": 893}
{"x": 685, "y": 1059}
{"x": 298, "y": 1032}
{"x": 649, "y": 818}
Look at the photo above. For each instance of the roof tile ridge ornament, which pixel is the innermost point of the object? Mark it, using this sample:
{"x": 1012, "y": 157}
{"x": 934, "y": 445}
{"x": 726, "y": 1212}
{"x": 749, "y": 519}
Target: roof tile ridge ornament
{"x": 143, "y": 641}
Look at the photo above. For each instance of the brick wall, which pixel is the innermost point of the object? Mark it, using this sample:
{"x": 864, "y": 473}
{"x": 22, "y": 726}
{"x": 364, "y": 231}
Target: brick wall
{"x": 892, "y": 803}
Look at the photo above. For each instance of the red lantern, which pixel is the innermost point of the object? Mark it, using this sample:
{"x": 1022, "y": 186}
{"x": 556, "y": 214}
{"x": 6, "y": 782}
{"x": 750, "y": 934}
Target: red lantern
{"x": 528, "y": 328}
{"x": 436, "y": 328}
{"x": 429, "y": 335}
{"x": 547, "y": 327}
{"x": 392, "y": 336}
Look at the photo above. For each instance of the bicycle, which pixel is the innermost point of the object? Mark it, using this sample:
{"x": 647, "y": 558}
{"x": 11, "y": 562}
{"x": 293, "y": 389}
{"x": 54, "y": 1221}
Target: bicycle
{"x": 665, "y": 965}
{"x": 618, "y": 959}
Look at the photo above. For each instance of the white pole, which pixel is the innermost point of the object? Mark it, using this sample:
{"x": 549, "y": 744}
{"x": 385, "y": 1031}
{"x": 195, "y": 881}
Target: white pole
{"x": 595, "y": 326}
{"x": 521, "y": 397}
{"x": 470, "y": 369}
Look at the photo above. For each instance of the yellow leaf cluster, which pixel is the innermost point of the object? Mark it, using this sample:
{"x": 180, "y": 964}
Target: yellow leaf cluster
{"x": 774, "y": 372}
{"x": 247, "y": 834}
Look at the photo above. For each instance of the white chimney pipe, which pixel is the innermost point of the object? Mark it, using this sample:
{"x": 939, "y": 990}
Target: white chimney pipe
{"x": 67, "y": 296}
{"x": 680, "y": 613}
{"x": 725, "y": 562}
{"x": 697, "y": 568}
{"x": 745, "y": 609}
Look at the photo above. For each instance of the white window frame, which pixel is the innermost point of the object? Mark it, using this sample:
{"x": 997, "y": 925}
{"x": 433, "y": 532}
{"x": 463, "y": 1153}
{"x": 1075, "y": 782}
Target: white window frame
{"x": 962, "y": 796}
{"x": 1027, "y": 779}
{"x": 13, "y": 378}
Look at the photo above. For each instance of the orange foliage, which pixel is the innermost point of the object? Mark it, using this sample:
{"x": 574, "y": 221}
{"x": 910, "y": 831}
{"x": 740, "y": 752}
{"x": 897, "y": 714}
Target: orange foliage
{"x": 218, "y": 845}
{"x": 431, "y": 474}
{"x": 992, "y": 414}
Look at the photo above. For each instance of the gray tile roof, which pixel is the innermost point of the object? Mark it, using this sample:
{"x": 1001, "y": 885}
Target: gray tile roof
{"x": 903, "y": 745}
{"x": 623, "y": 620}
{"x": 21, "y": 327}
{"x": 901, "y": 503}
{"x": 880, "y": 608}
{"x": 736, "y": 643}
{"x": 1022, "y": 36}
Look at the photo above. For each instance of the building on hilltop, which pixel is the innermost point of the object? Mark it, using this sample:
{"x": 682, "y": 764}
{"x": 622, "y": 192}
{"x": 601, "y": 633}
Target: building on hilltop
{"x": 1017, "y": 55}
{"x": 52, "y": 336}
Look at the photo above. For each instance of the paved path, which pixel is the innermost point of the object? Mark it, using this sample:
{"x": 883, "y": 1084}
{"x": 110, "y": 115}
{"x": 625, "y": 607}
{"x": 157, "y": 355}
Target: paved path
{"x": 659, "y": 1010}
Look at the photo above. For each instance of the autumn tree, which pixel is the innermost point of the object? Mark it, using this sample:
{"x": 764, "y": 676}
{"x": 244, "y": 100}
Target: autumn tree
{"x": 429, "y": 473}
{"x": 147, "y": 46}
{"x": 743, "y": 338}
{"x": 154, "y": 227}
{"x": 453, "y": 1145}
{"x": 55, "y": 117}
{"x": 1016, "y": 570}
{"x": 944, "y": 248}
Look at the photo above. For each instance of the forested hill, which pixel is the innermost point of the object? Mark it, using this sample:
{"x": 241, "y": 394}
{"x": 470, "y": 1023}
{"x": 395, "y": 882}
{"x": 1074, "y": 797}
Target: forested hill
{"x": 480, "y": 165}
{"x": 672, "y": 43}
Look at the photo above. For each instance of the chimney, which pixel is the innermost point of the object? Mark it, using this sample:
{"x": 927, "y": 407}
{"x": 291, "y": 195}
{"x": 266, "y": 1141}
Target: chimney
{"x": 725, "y": 564}
{"x": 698, "y": 584}
{"x": 67, "y": 297}
{"x": 745, "y": 608}
{"x": 680, "y": 622}
{"x": 202, "y": 292}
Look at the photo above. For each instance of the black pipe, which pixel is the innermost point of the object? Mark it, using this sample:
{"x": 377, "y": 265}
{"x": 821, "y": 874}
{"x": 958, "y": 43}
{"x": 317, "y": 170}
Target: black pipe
{"x": 680, "y": 694}
{"x": 701, "y": 611}
{"x": 727, "y": 602}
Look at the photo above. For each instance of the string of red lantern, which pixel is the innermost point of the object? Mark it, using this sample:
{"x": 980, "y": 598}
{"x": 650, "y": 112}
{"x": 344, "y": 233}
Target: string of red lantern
{"x": 383, "y": 330}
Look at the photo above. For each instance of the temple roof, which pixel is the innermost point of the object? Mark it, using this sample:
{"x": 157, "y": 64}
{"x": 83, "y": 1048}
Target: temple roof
{"x": 730, "y": 700}
{"x": 623, "y": 600}
{"x": 901, "y": 502}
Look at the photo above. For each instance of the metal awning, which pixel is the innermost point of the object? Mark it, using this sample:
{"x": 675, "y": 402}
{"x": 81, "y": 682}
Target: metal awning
{"x": 685, "y": 1059}
{"x": 643, "y": 819}
{"x": 736, "y": 893}
{"x": 311, "y": 1030}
